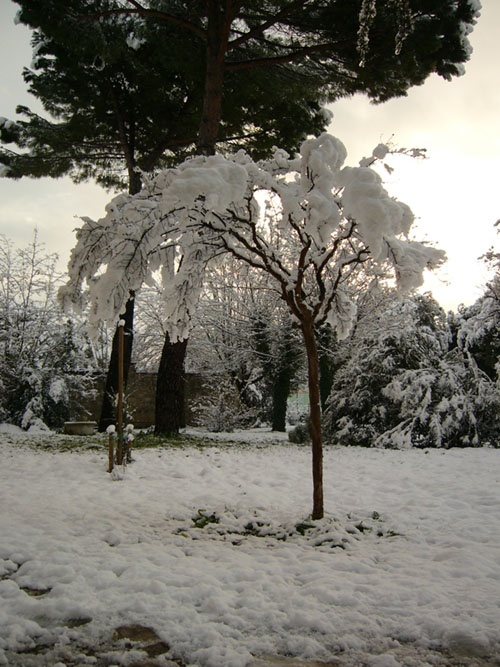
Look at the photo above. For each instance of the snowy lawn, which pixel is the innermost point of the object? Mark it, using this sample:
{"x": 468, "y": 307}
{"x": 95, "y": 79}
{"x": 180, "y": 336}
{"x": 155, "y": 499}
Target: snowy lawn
{"x": 211, "y": 547}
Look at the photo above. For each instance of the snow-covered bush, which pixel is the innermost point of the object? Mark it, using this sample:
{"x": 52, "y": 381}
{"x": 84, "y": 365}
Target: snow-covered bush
{"x": 403, "y": 384}
{"x": 477, "y": 328}
{"x": 451, "y": 405}
{"x": 221, "y": 409}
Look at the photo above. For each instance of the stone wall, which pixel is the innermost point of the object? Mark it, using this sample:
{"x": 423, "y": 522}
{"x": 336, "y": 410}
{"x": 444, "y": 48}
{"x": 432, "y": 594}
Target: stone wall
{"x": 140, "y": 399}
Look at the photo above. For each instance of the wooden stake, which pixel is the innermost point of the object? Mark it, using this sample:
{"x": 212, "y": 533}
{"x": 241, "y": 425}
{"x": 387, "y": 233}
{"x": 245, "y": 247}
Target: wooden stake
{"x": 111, "y": 452}
{"x": 119, "y": 408}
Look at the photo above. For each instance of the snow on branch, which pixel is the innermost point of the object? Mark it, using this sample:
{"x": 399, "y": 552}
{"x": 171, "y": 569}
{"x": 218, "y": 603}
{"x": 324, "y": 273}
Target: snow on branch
{"x": 309, "y": 222}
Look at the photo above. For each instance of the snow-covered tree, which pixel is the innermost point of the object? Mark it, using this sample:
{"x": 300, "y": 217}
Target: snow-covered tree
{"x": 477, "y": 327}
{"x": 321, "y": 222}
{"x": 402, "y": 383}
{"x": 45, "y": 358}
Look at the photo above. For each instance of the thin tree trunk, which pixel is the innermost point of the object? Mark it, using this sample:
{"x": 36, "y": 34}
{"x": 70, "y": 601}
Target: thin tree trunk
{"x": 119, "y": 407}
{"x": 169, "y": 408}
{"x": 315, "y": 417}
{"x": 108, "y": 413}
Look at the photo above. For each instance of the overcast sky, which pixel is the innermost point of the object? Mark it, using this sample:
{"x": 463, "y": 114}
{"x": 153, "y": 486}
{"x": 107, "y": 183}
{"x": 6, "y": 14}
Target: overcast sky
{"x": 454, "y": 193}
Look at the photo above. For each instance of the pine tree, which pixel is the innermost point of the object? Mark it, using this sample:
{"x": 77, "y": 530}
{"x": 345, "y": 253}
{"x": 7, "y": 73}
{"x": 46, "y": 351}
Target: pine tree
{"x": 378, "y": 48}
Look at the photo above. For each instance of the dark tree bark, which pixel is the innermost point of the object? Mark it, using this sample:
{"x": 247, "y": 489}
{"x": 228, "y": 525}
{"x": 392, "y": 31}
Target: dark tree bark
{"x": 281, "y": 391}
{"x": 326, "y": 366}
{"x": 307, "y": 328}
{"x": 212, "y": 98}
{"x": 108, "y": 410}
{"x": 169, "y": 407}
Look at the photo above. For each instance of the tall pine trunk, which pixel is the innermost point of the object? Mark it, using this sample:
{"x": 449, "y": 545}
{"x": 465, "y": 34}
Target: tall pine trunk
{"x": 315, "y": 417}
{"x": 217, "y": 37}
{"x": 281, "y": 391}
{"x": 169, "y": 407}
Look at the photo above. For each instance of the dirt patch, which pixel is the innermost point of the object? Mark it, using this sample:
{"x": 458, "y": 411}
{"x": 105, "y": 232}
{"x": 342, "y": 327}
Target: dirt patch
{"x": 133, "y": 645}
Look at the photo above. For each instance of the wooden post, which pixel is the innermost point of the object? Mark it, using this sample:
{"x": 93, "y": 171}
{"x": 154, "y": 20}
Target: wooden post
{"x": 111, "y": 450}
{"x": 119, "y": 408}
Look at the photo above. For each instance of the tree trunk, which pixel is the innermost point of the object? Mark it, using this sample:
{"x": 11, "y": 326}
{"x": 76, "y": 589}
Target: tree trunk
{"x": 169, "y": 386}
{"x": 326, "y": 367}
{"x": 315, "y": 417}
{"x": 108, "y": 415}
{"x": 169, "y": 406}
{"x": 217, "y": 38}
{"x": 108, "y": 411}
{"x": 281, "y": 391}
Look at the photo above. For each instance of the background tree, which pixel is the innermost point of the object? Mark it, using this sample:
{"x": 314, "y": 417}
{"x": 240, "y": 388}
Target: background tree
{"x": 324, "y": 223}
{"x": 408, "y": 385}
{"x": 279, "y": 345}
{"x": 46, "y": 360}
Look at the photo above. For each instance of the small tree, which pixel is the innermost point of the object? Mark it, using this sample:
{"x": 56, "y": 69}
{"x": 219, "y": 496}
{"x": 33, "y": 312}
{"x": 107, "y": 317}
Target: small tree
{"x": 320, "y": 225}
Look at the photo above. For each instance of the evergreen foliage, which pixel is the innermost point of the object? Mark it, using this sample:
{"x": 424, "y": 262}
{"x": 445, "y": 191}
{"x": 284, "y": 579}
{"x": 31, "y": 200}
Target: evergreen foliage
{"x": 119, "y": 100}
{"x": 402, "y": 383}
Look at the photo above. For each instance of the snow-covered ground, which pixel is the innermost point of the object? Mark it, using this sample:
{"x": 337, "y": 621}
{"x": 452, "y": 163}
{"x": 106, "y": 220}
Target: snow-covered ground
{"x": 403, "y": 570}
